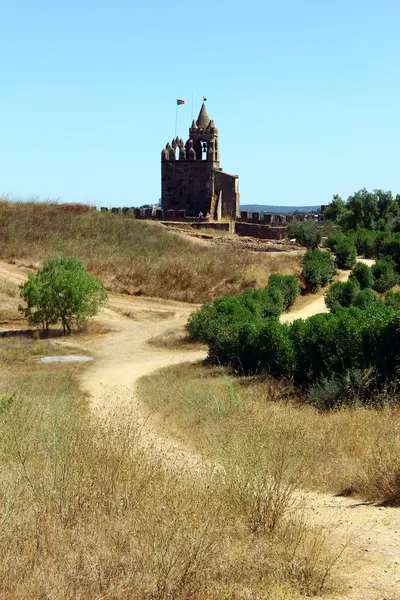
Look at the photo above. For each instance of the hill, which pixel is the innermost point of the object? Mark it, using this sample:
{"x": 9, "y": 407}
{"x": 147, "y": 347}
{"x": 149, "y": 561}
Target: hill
{"x": 268, "y": 208}
{"x": 130, "y": 256}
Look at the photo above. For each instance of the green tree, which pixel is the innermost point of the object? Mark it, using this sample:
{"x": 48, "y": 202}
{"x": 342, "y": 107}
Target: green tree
{"x": 62, "y": 290}
{"x": 343, "y": 247}
{"x": 385, "y": 277}
{"x": 392, "y": 299}
{"x": 336, "y": 210}
{"x": 363, "y": 274}
{"x": 366, "y": 299}
{"x": 306, "y": 233}
{"x": 342, "y": 294}
{"x": 318, "y": 269}
{"x": 289, "y": 285}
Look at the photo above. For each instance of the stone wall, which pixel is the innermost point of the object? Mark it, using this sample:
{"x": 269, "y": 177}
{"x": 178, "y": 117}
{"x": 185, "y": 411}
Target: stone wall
{"x": 187, "y": 185}
{"x": 228, "y": 185}
{"x": 258, "y": 230}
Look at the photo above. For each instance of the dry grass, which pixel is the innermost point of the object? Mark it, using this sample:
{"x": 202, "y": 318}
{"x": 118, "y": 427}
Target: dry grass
{"x": 89, "y": 512}
{"x": 176, "y": 339}
{"x": 354, "y": 450}
{"x": 130, "y": 256}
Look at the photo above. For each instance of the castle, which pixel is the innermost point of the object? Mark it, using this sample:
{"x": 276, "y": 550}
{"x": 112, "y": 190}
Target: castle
{"x": 191, "y": 178}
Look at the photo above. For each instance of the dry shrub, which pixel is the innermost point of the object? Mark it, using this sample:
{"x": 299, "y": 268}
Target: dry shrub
{"x": 90, "y": 510}
{"x": 356, "y": 448}
{"x": 130, "y": 256}
{"x": 8, "y": 289}
{"x": 175, "y": 339}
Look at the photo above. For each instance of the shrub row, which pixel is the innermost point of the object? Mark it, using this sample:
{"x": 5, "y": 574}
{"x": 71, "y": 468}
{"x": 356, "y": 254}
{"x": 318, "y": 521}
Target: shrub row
{"x": 360, "y": 290}
{"x": 318, "y": 269}
{"x": 344, "y": 249}
{"x": 223, "y": 319}
{"x": 319, "y": 347}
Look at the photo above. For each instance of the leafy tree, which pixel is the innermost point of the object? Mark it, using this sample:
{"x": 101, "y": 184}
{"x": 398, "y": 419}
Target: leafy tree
{"x": 344, "y": 249}
{"x": 289, "y": 285}
{"x": 336, "y": 210}
{"x": 367, "y": 298}
{"x": 385, "y": 276}
{"x": 392, "y": 299}
{"x": 306, "y": 233}
{"x": 62, "y": 290}
{"x": 363, "y": 274}
{"x": 365, "y": 241}
{"x": 342, "y": 294}
{"x": 318, "y": 269}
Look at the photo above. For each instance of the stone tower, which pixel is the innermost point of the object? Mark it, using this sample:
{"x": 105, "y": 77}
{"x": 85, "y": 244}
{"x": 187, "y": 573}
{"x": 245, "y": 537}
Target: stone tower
{"x": 191, "y": 177}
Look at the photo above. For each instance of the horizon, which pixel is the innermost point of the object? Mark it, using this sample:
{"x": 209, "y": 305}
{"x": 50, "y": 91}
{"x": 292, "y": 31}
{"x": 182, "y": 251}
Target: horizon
{"x": 305, "y": 104}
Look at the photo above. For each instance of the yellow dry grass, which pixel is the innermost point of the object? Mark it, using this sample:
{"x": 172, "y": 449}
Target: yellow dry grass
{"x": 355, "y": 450}
{"x": 132, "y": 256}
{"x": 89, "y": 512}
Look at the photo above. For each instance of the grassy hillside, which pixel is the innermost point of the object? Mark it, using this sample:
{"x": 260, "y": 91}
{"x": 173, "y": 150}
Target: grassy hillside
{"x": 131, "y": 256}
{"x": 89, "y": 511}
{"x": 355, "y": 450}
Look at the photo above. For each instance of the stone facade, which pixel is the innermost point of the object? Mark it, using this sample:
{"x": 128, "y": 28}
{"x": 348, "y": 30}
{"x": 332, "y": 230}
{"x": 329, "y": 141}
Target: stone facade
{"x": 191, "y": 177}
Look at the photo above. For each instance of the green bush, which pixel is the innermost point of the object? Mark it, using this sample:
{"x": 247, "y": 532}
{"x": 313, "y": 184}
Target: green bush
{"x": 365, "y": 241}
{"x": 392, "y": 299}
{"x": 385, "y": 276}
{"x": 344, "y": 248}
{"x": 318, "y": 269}
{"x": 366, "y": 299}
{"x": 289, "y": 285}
{"x": 62, "y": 290}
{"x": 342, "y": 294}
{"x": 363, "y": 274}
{"x": 228, "y": 313}
{"x": 306, "y": 233}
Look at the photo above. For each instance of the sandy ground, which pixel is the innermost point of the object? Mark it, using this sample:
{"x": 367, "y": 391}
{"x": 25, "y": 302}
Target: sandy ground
{"x": 123, "y": 356}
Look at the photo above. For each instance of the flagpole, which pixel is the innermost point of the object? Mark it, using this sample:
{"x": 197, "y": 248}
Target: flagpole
{"x": 192, "y": 107}
{"x": 176, "y": 118}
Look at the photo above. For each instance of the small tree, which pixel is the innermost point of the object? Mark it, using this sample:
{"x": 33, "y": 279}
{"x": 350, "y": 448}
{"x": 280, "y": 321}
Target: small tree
{"x": 384, "y": 275}
{"x": 289, "y": 286}
{"x": 363, "y": 274}
{"x": 62, "y": 290}
{"x": 342, "y": 294}
{"x": 344, "y": 249}
{"x": 306, "y": 233}
{"x": 318, "y": 269}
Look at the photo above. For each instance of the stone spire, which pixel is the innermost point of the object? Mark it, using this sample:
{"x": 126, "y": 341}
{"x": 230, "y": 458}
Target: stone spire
{"x": 203, "y": 119}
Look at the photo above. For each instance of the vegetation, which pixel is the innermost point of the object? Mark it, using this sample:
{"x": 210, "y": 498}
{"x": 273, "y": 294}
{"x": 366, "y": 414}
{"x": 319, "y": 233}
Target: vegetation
{"x": 224, "y": 319}
{"x": 62, "y": 290}
{"x": 363, "y": 274}
{"x": 385, "y": 277}
{"x": 318, "y": 269}
{"x": 342, "y": 294}
{"x": 130, "y": 256}
{"x": 355, "y": 448}
{"x": 376, "y": 210}
{"x": 69, "y": 483}
{"x": 343, "y": 248}
{"x": 306, "y": 233}
{"x": 323, "y": 346}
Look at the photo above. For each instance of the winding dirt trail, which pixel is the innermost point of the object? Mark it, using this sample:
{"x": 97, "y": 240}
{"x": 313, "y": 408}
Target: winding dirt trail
{"x": 124, "y": 356}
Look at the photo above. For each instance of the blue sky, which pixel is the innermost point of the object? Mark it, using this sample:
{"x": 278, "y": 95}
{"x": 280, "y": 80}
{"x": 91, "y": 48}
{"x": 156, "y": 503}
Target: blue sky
{"x": 305, "y": 94}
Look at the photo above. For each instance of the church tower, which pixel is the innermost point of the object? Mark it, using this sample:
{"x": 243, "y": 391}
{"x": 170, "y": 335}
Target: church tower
{"x": 191, "y": 177}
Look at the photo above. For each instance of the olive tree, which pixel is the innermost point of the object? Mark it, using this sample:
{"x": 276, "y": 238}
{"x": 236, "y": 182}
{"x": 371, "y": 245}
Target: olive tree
{"x": 62, "y": 290}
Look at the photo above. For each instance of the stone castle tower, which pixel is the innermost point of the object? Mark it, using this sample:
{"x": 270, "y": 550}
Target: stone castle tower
{"x": 191, "y": 178}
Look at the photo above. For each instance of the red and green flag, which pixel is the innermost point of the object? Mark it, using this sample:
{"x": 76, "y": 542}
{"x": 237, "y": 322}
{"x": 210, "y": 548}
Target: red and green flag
{"x": 179, "y": 102}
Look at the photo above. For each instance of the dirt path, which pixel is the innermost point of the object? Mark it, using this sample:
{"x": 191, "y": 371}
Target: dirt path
{"x": 124, "y": 356}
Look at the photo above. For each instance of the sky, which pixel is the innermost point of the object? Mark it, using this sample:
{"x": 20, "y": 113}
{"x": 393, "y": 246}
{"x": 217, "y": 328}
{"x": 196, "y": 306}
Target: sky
{"x": 305, "y": 95}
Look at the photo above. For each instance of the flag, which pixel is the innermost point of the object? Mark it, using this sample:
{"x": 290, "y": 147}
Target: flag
{"x": 179, "y": 102}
